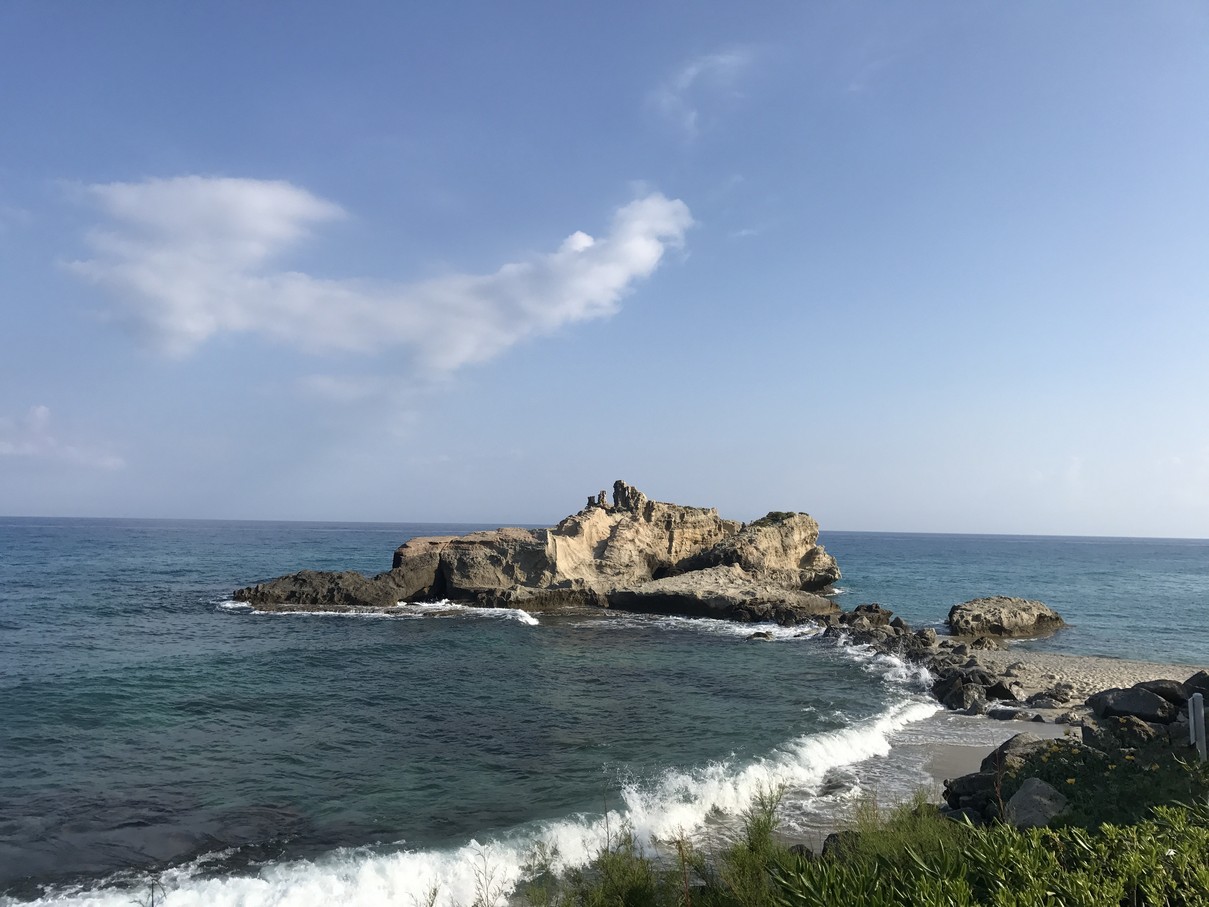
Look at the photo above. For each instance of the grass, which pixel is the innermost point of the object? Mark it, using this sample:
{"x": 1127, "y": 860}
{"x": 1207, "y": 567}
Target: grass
{"x": 1137, "y": 835}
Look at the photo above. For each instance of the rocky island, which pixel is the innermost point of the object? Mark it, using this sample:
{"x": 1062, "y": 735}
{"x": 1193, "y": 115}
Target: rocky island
{"x": 631, "y": 554}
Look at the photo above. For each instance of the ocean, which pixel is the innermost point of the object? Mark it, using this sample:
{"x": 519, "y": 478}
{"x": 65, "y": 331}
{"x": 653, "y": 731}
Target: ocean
{"x": 157, "y": 740}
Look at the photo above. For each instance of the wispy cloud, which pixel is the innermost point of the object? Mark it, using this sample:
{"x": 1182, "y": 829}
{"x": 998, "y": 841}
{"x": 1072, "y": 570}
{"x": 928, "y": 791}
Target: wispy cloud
{"x": 31, "y": 436}
{"x": 697, "y": 83}
{"x": 192, "y": 257}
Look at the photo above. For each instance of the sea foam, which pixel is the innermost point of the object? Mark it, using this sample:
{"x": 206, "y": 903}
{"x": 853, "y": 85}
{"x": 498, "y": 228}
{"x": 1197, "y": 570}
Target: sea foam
{"x": 679, "y": 802}
{"x": 401, "y": 611}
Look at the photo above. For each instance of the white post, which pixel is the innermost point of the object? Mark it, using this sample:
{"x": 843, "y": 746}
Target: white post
{"x": 1196, "y": 723}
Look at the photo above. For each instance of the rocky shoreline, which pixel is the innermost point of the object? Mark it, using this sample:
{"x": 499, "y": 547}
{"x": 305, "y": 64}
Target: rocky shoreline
{"x": 1115, "y": 710}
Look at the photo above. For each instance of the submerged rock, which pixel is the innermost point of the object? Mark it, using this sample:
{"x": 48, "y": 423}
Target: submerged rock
{"x": 635, "y": 554}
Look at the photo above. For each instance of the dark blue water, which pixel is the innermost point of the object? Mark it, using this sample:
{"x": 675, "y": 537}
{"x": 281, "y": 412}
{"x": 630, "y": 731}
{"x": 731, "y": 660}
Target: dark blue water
{"x": 250, "y": 759}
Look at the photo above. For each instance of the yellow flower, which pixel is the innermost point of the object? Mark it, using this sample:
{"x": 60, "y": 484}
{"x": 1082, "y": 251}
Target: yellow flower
{"x": 1070, "y": 780}
{"x": 1129, "y": 757}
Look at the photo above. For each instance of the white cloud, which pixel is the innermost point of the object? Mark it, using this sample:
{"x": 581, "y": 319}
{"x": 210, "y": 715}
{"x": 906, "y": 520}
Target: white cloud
{"x": 31, "y": 436}
{"x": 704, "y": 78}
{"x": 189, "y": 258}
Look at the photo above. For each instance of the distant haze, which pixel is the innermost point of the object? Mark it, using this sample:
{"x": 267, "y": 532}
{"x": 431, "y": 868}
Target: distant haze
{"x": 937, "y": 267}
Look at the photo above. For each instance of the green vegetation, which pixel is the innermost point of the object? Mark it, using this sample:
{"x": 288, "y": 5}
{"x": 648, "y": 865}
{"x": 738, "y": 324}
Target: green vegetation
{"x": 1137, "y": 834}
{"x": 1120, "y": 786}
{"x": 774, "y": 517}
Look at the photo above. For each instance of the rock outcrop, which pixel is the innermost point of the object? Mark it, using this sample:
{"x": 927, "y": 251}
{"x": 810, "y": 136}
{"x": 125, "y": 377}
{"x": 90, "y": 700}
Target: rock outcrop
{"x": 635, "y": 554}
{"x": 1001, "y": 616}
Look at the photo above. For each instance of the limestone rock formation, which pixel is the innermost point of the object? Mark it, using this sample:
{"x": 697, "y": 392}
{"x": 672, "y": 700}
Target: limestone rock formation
{"x": 635, "y": 554}
{"x": 1000, "y": 616}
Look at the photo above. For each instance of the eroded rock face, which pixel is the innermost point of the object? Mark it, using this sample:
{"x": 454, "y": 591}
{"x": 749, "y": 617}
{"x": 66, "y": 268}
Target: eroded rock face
{"x": 1000, "y": 616}
{"x": 635, "y": 554}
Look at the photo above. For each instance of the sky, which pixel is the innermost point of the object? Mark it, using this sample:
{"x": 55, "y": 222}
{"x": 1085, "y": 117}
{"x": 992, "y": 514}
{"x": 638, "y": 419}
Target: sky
{"x": 934, "y": 267}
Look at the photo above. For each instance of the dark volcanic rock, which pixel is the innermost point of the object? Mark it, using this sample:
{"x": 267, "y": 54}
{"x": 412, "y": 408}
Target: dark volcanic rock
{"x": 325, "y": 591}
{"x": 1172, "y": 690}
{"x": 1198, "y": 683}
{"x": 1136, "y": 702}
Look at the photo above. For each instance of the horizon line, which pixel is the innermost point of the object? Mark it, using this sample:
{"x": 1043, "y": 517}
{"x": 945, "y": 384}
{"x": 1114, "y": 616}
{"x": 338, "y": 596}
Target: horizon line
{"x": 522, "y": 525}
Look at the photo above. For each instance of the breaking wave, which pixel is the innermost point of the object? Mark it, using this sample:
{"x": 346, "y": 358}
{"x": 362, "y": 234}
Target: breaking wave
{"x": 677, "y": 802}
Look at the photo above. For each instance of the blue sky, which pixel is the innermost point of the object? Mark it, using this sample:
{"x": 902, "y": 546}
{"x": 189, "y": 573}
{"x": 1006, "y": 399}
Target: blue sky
{"x": 919, "y": 267}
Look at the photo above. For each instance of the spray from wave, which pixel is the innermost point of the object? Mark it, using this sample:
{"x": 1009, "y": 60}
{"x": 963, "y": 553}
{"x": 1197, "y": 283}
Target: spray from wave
{"x": 679, "y": 802}
{"x": 401, "y": 611}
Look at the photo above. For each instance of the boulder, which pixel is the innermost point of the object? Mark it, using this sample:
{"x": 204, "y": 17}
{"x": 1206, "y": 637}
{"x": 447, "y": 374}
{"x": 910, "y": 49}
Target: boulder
{"x": 1198, "y": 683}
{"x": 873, "y": 615}
{"x": 974, "y": 791}
{"x": 926, "y": 636}
{"x": 1001, "y": 616}
{"x": 1136, "y": 702}
{"x": 836, "y": 843}
{"x": 1172, "y": 690}
{"x": 963, "y": 696}
{"x": 1012, "y": 753}
{"x": 606, "y": 555}
{"x": 1005, "y": 692}
{"x": 1035, "y": 804}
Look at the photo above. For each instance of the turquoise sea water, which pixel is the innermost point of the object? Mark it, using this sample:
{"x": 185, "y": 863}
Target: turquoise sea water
{"x": 150, "y": 730}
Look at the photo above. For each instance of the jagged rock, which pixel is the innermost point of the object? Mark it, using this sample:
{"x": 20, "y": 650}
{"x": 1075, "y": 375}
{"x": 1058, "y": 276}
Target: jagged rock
{"x": 973, "y": 791}
{"x": 1006, "y": 692}
{"x": 1035, "y": 804}
{"x": 926, "y": 636}
{"x": 1137, "y": 702}
{"x": 781, "y": 547}
{"x": 1000, "y": 616}
{"x": 873, "y": 615}
{"x": 968, "y": 697}
{"x": 640, "y": 554}
{"x": 1062, "y": 692}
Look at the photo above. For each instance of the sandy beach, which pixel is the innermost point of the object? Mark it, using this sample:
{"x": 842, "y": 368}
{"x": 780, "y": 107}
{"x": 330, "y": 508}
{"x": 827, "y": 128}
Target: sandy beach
{"x": 1087, "y": 674}
{"x": 1040, "y": 671}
